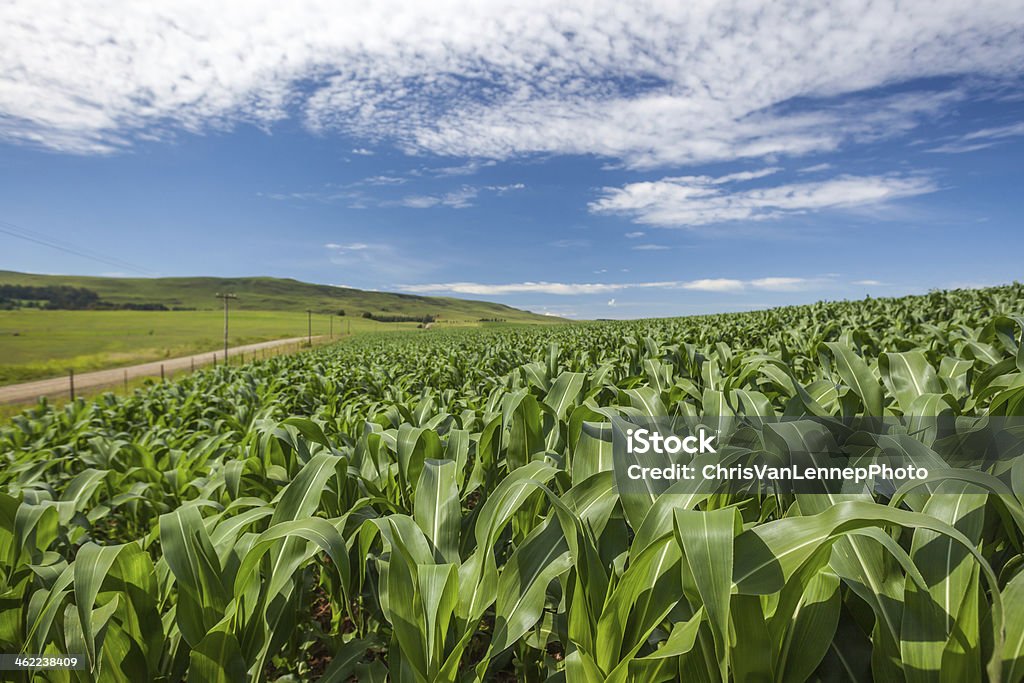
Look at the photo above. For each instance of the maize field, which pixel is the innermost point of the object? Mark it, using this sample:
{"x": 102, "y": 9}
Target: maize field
{"x": 440, "y": 506}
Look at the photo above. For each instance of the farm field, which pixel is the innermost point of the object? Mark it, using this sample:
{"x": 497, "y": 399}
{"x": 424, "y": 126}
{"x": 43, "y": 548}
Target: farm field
{"x": 274, "y": 294}
{"x": 38, "y": 342}
{"x": 35, "y": 343}
{"x": 446, "y": 507}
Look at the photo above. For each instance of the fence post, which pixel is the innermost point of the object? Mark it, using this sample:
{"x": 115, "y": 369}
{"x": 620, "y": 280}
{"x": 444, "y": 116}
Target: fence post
{"x": 214, "y": 360}
{"x": 126, "y": 381}
{"x": 192, "y": 360}
{"x": 71, "y": 382}
{"x": 162, "y": 377}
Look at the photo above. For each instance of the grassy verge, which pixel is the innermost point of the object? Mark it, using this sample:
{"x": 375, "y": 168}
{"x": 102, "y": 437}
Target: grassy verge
{"x": 129, "y": 386}
{"x": 36, "y": 344}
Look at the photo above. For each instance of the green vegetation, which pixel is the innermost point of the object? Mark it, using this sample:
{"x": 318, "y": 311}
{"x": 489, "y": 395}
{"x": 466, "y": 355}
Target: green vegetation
{"x": 273, "y": 294}
{"x": 40, "y": 343}
{"x": 444, "y": 507}
{"x": 51, "y": 297}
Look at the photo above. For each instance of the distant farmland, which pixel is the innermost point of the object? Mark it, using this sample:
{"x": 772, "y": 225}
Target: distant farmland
{"x": 37, "y": 342}
{"x": 275, "y": 294}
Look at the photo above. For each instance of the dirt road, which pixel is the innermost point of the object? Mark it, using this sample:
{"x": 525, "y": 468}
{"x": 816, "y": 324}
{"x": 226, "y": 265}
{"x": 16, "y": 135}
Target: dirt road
{"x": 60, "y": 386}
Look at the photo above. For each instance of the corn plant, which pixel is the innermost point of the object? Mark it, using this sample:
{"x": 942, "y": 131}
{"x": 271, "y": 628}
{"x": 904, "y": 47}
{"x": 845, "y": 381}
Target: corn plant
{"x": 447, "y": 507}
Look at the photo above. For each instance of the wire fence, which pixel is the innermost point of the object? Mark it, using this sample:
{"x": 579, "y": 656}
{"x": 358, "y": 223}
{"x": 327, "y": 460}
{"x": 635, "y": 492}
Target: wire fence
{"x": 126, "y": 380}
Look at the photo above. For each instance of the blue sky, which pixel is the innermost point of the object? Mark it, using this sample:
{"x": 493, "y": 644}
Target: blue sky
{"x": 608, "y": 162}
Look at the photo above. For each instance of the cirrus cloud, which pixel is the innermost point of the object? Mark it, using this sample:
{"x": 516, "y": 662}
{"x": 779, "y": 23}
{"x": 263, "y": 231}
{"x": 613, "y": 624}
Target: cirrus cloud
{"x": 646, "y": 83}
{"x": 980, "y": 139}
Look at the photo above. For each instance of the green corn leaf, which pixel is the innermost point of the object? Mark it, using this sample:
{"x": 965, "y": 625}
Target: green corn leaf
{"x": 707, "y": 538}
{"x": 523, "y": 582}
{"x": 940, "y": 630}
{"x": 1013, "y": 652}
{"x": 202, "y": 597}
{"x": 437, "y": 509}
{"x": 907, "y": 376}
{"x": 91, "y": 567}
{"x": 438, "y": 588}
{"x": 563, "y": 393}
{"x": 856, "y": 373}
{"x": 807, "y": 617}
{"x": 217, "y": 659}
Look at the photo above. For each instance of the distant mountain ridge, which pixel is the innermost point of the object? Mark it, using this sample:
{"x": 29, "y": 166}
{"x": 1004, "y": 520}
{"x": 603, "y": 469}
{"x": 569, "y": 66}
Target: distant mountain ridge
{"x": 274, "y": 294}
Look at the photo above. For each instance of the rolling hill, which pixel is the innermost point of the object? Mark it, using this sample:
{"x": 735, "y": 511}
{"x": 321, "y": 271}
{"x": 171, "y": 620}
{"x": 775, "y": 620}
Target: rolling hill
{"x": 274, "y": 294}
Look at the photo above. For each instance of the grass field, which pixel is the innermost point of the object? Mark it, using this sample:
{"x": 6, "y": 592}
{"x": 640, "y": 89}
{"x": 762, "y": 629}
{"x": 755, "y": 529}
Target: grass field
{"x": 276, "y": 294}
{"x": 35, "y": 343}
{"x": 452, "y": 507}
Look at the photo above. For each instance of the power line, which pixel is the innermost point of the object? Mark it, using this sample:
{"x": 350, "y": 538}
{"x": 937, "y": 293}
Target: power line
{"x": 38, "y": 238}
{"x": 47, "y": 241}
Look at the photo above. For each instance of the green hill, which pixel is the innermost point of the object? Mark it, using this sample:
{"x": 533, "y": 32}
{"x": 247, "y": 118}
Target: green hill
{"x": 273, "y": 294}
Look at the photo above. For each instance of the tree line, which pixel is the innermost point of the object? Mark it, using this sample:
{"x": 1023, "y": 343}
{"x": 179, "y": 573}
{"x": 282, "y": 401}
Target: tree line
{"x": 63, "y": 298}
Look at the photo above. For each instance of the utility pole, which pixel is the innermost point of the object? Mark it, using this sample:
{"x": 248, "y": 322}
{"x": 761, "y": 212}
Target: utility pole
{"x": 332, "y": 326}
{"x": 309, "y": 329}
{"x": 226, "y": 298}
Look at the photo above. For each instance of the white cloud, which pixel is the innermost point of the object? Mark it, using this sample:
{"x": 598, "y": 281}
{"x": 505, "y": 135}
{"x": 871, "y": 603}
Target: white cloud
{"x": 354, "y": 246}
{"x": 650, "y": 247}
{"x": 419, "y": 201}
{"x": 554, "y": 311}
{"x": 326, "y": 196}
{"x": 997, "y": 133}
{"x": 720, "y": 284}
{"x": 689, "y": 201}
{"x": 383, "y": 180}
{"x": 780, "y": 284}
{"x": 635, "y": 234}
{"x": 648, "y": 84}
{"x": 980, "y": 139}
{"x": 468, "y": 168}
{"x": 741, "y": 176}
{"x": 363, "y": 152}
{"x": 766, "y": 284}
{"x": 960, "y": 147}
{"x": 777, "y": 284}
{"x": 611, "y": 302}
{"x": 816, "y": 168}
{"x": 358, "y": 198}
{"x": 868, "y": 283}
{"x": 570, "y": 243}
{"x": 564, "y": 288}
{"x": 502, "y": 189}
{"x": 458, "y": 199}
